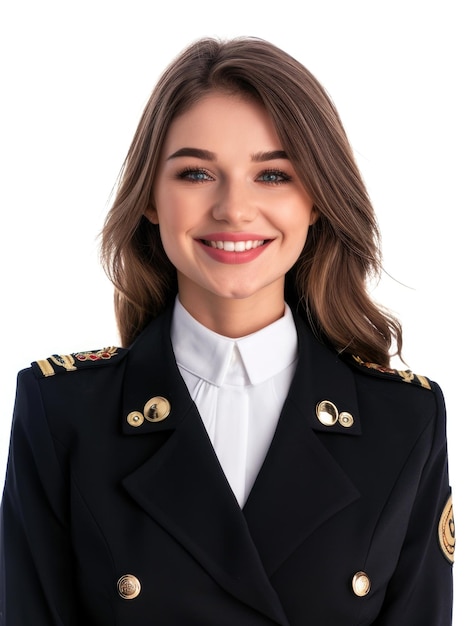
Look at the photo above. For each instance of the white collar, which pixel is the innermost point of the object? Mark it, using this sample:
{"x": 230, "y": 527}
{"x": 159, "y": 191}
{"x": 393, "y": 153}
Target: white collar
{"x": 208, "y": 355}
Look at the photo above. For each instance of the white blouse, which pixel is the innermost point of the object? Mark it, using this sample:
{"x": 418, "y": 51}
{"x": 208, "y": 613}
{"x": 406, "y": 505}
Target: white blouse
{"x": 239, "y": 387}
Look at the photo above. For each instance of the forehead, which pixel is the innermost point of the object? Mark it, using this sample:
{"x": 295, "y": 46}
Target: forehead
{"x": 223, "y": 119}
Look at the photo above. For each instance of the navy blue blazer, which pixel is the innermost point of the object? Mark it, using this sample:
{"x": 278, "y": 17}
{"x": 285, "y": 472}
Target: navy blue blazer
{"x": 116, "y": 511}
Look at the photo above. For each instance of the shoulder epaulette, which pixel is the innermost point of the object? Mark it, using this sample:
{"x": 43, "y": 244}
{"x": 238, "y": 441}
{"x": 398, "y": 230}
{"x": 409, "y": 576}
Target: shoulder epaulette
{"x": 406, "y": 376}
{"x": 58, "y": 363}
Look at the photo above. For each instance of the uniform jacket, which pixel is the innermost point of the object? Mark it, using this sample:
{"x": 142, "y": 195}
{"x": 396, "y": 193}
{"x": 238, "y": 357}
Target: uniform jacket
{"x": 117, "y": 514}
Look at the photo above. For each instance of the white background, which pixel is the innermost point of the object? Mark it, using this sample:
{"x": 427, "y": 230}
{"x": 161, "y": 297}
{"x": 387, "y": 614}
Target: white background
{"x": 74, "y": 79}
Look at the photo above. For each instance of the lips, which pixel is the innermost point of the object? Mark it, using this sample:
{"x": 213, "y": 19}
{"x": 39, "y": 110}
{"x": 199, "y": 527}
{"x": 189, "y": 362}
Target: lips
{"x": 233, "y": 248}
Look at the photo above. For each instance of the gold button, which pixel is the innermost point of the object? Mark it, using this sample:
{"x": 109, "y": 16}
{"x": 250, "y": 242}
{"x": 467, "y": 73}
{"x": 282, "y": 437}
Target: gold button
{"x": 346, "y": 419}
{"x": 327, "y": 413}
{"x": 157, "y": 409}
{"x": 135, "y": 418}
{"x": 361, "y": 584}
{"x": 129, "y": 587}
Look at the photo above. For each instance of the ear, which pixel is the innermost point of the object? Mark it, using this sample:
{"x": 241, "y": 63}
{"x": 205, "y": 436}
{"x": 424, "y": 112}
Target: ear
{"x": 314, "y": 216}
{"x": 151, "y": 214}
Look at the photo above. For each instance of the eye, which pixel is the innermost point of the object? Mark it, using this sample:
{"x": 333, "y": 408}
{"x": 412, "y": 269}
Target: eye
{"x": 194, "y": 175}
{"x": 274, "y": 177}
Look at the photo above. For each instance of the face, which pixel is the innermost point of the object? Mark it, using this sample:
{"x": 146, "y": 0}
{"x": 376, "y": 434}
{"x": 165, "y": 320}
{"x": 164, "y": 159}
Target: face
{"x": 232, "y": 212}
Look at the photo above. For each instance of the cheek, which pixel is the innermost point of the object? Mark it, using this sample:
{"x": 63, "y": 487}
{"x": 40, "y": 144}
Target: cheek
{"x": 297, "y": 229}
{"x": 169, "y": 232}
{"x": 297, "y": 219}
{"x": 175, "y": 207}
{"x": 173, "y": 233}
{"x": 168, "y": 213}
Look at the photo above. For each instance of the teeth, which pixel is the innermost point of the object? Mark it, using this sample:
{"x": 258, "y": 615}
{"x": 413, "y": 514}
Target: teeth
{"x": 235, "y": 246}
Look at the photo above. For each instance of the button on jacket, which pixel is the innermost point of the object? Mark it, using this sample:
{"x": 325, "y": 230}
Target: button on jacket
{"x": 116, "y": 511}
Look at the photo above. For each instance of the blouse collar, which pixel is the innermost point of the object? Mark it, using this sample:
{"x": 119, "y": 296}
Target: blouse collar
{"x": 211, "y": 356}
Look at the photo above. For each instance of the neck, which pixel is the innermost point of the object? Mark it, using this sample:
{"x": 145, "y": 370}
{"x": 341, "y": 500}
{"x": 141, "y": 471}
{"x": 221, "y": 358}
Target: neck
{"x": 233, "y": 317}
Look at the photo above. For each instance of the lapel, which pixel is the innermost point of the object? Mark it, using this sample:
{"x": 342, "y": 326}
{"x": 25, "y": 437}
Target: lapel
{"x": 300, "y": 485}
{"x": 182, "y": 486}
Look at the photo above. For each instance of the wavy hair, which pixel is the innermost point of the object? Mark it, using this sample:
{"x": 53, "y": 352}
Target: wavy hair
{"x": 329, "y": 282}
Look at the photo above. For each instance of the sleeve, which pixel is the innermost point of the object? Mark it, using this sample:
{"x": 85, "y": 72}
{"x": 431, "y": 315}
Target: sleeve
{"x": 420, "y": 591}
{"x": 36, "y": 559}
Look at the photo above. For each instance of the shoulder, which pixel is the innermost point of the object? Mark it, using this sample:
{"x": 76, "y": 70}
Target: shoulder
{"x": 387, "y": 373}
{"x": 97, "y": 360}
{"x": 409, "y": 402}
{"x": 76, "y": 361}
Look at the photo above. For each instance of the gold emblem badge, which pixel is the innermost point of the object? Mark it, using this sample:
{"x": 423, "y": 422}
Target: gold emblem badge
{"x": 446, "y": 531}
{"x": 157, "y": 409}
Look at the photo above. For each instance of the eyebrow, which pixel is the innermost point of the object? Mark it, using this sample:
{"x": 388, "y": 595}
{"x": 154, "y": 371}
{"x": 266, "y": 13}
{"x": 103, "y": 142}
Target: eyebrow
{"x": 272, "y": 155}
{"x": 207, "y": 155}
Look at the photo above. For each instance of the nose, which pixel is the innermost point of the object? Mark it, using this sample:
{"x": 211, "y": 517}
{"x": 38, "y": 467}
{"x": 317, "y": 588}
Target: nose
{"x": 234, "y": 203}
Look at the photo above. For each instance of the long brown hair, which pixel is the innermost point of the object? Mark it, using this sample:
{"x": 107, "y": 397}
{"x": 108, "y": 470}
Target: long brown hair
{"x": 329, "y": 281}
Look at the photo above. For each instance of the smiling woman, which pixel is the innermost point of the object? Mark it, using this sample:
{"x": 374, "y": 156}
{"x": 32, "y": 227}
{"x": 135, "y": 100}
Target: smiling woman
{"x": 249, "y": 449}
{"x": 339, "y": 253}
{"x": 233, "y": 215}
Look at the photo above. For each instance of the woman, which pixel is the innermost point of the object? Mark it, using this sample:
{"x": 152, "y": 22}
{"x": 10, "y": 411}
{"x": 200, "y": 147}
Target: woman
{"x": 248, "y": 457}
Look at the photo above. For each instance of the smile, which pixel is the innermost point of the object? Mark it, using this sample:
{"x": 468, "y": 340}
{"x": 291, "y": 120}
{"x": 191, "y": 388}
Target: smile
{"x": 234, "y": 246}
{"x": 229, "y": 249}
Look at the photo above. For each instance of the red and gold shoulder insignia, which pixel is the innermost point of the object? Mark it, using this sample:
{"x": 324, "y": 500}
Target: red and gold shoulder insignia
{"x": 406, "y": 376}
{"x": 57, "y": 363}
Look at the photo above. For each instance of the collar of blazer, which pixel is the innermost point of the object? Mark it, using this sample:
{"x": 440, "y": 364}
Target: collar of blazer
{"x": 323, "y": 383}
{"x": 182, "y": 486}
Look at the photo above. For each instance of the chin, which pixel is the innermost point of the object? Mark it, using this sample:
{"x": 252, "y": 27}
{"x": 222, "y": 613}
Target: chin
{"x": 243, "y": 292}
{"x": 237, "y": 294}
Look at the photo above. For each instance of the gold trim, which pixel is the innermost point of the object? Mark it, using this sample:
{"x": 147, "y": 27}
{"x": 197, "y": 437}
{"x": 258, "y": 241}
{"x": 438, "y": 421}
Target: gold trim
{"x": 64, "y": 360}
{"x": 406, "y": 375}
{"x": 45, "y": 367}
{"x": 424, "y": 381}
{"x": 446, "y": 531}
